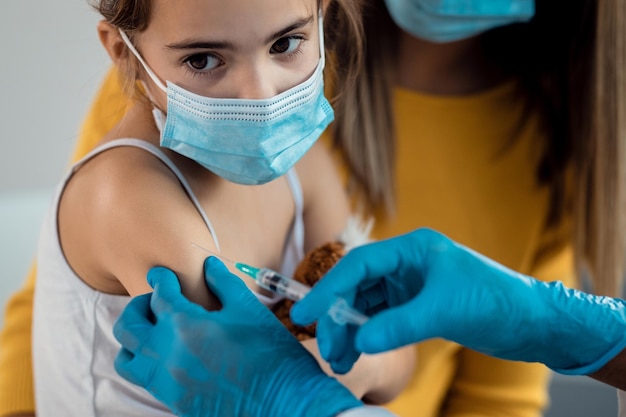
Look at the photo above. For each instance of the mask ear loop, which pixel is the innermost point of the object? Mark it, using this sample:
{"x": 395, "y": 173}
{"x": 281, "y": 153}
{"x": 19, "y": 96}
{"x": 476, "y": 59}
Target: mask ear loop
{"x": 157, "y": 114}
{"x": 151, "y": 73}
{"x": 320, "y": 32}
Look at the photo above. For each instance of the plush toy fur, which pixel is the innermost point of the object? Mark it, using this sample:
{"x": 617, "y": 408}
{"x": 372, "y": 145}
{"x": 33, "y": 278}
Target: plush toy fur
{"x": 317, "y": 263}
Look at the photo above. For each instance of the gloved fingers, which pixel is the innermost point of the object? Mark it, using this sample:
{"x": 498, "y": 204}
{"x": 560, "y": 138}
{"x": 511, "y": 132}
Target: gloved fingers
{"x": 228, "y": 287}
{"x": 394, "y": 328}
{"x": 368, "y": 262}
{"x": 336, "y": 344}
{"x": 132, "y": 368}
{"x": 133, "y": 326}
{"x": 168, "y": 294}
{"x": 164, "y": 278}
{"x": 372, "y": 299}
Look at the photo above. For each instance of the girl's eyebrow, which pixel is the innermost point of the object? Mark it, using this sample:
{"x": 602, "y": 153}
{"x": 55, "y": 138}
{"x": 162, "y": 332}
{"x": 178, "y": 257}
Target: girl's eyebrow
{"x": 298, "y": 24}
{"x": 199, "y": 44}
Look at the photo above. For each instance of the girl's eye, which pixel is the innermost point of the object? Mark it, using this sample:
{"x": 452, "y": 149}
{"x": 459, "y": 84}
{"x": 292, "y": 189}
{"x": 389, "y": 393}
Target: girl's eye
{"x": 286, "y": 45}
{"x": 203, "y": 62}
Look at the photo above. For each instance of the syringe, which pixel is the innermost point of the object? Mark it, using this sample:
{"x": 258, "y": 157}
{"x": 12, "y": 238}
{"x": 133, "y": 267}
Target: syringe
{"x": 340, "y": 311}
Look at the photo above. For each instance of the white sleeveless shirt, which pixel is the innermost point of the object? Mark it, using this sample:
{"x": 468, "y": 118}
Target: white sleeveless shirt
{"x": 73, "y": 343}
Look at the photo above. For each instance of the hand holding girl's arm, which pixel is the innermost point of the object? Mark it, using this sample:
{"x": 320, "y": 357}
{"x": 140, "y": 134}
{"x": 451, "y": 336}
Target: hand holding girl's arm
{"x": 239, "y": 360}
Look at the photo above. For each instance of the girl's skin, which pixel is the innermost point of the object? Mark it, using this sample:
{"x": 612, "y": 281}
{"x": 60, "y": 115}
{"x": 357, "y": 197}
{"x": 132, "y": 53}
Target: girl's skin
{"x": 124, "y": 211}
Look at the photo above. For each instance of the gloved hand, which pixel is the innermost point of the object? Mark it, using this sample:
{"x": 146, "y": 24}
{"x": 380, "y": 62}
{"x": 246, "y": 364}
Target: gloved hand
{"x": 239, "y": 360}
{"x": 430, "y": 286}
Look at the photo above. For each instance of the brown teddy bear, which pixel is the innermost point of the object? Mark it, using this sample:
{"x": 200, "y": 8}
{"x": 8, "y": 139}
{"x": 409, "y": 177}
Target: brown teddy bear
{"x": 315, "y": 264}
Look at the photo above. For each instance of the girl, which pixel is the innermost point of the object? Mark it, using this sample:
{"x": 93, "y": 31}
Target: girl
{"x": 221, "y": 154}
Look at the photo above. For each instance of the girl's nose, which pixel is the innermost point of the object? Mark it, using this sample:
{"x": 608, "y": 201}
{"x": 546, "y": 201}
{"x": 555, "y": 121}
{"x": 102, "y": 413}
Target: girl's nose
{"x": 256, "y": 82}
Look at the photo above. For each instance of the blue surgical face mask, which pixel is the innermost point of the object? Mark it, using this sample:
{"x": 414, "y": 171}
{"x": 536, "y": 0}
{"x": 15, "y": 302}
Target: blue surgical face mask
{"x": 245, "y": 141}
{"x": 452, "y": 20}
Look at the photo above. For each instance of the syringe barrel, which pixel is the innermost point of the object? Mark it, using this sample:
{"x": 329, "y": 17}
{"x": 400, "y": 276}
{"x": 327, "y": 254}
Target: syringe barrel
{"x": 294, "y": 290}
{"x": 280, "y": 284}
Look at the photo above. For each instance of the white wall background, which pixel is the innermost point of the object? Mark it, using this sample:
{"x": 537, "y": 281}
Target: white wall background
{"x": 51, "y": 64}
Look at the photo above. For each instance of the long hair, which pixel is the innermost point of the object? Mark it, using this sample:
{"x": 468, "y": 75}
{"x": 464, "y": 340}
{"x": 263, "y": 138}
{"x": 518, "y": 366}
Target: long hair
{"x": 363, "y": 130}
{"x": 571, "y": 63}
{"x": 601, "y": 174}
{"x": 575, "y": 78}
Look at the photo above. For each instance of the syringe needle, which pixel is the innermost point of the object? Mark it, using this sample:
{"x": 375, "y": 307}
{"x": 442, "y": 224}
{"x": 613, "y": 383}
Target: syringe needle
{"x": 217, "y": 255}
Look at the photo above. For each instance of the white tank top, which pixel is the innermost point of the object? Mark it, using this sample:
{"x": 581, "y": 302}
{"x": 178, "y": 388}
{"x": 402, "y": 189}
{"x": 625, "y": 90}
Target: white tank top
{"x": 73, "y": 343}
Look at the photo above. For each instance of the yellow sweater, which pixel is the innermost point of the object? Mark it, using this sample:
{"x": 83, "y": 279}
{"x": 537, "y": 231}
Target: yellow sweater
{"x": 458, "y": 172}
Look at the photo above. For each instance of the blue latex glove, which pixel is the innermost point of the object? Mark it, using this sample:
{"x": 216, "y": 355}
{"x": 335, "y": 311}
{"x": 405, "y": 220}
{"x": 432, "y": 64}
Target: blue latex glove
{"x": 429, "y": 286}
{"x": 238, "y": 361}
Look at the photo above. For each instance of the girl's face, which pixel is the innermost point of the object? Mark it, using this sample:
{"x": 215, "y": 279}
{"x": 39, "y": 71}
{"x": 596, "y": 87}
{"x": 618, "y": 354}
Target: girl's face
{"x": 231, "y": 48}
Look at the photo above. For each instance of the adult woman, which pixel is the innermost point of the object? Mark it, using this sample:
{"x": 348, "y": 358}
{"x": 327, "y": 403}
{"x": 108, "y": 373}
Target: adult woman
{"x": 510, "y": 142}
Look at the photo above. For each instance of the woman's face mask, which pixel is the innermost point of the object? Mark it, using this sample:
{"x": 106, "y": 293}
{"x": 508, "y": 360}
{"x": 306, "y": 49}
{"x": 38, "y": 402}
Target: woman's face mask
{"x": 246, "y": 141}
{"x": 452, "y": 20}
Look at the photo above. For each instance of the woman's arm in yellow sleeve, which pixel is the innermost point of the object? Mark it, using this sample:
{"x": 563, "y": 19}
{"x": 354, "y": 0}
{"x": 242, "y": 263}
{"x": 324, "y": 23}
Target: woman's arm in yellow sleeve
{"x": 16, "y": 374}
{"x": 485, "y": 386}
{"x": 16, "y": 370}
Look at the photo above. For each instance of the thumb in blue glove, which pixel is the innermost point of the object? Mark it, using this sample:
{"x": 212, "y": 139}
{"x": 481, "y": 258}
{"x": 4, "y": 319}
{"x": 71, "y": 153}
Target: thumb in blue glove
{"x": 239, "y": 360}
{"x": 424, "y": 285}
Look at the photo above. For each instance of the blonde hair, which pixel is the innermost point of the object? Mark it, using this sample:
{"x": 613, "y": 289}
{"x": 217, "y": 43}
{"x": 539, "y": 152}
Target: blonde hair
{"x": 601, "y": 172}
{"x": 573, "y": 77}
{"x": 363, "y": 128}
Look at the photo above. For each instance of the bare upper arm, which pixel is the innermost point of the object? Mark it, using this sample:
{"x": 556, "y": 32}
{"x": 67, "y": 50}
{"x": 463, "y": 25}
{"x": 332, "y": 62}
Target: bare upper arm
{"x": 125, "y": 212}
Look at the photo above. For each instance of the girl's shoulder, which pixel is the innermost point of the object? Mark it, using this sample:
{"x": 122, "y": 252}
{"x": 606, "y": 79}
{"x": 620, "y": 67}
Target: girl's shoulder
{"x": 117, "y": 167}
{"x": 128, "y": 165}
{"x": 118, "y": 202}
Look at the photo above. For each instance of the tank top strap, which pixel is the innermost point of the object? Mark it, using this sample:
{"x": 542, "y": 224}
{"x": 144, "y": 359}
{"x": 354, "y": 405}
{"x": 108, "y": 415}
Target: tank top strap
{"x": 294, "y": 246}
{"x": 154, "y": 150}
{"x": 298, "y": 199}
